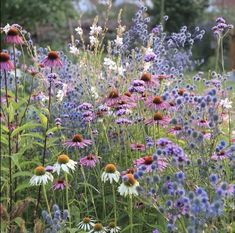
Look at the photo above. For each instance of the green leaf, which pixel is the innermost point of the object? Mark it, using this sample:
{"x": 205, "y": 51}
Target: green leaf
{"x": 22, "y": 173}
{"x": 29, "y": 125}
{"x": 43, "y": 120}
{"x": 23, "y": 186}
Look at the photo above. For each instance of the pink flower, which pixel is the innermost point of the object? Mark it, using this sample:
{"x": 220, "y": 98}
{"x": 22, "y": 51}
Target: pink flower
{"x": 52, "y": 60}
{"x": 148, "y": 161}
{"x": 13, "y": 36}
{"x": 149, "y": 80}
{"x": 114, "y": 98}
{"x": 89, "y": 161}
{"x": 5, "y": 63}
{"x": 221, "y": 155}
{"x": 176, "y": 130}
{"x": 78, "y": 141}
{"x": 156, "y": 103}
{"x": 137, "y": 147}
{"x": 59, "y": 185}
{"x": 158, "y": 118}
{"x": 203, "y": 123}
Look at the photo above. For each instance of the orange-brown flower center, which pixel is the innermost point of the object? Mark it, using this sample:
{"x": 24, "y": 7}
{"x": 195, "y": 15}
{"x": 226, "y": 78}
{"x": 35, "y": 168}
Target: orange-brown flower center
{"x": 157, "y": 100}
{"x": 181, "y": 91}
{"x": 63, "y": 159}
{"x": 4, "y": 57}
{"x": 98, "y": 227}
{"x": 86, "y": 220}
{"x": 130, "y": 171}
{"x": 39, "y": 171}
{"x": 178, "y": 127}
{"x": 90, "y": 157}
{"x": 13, "y": 32}
{"x": 221, "y": 153}
{"x": 52, "y": 55}
{"x": 77, "y": 138}
{"x": 148, "y": 160}
{"x": 158, "y": 116}
{"x": 130, "y": 180}
{"x": 146, "y": 77}
{"x": 127, "y": 94}
{"x": 113, "y": 94}
{"x": 110, "y": 168}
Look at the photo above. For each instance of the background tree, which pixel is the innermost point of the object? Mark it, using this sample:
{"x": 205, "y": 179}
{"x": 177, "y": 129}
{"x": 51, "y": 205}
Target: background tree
{"x": 180, "y": 12}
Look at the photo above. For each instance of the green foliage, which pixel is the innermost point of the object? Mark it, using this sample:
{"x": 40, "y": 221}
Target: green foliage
{"x": 29, "y": 12}
{"x": 180, "y": 12}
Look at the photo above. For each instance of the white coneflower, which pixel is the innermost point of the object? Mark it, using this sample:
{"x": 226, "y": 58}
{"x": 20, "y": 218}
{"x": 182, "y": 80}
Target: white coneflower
{"x": 86, "y": 224}
{"x": 65, "y": 164}
{"x": 98, "y": 228}
{"x": 41, "y": 176}
{"x": 110, "y": 174}
{"x": 113, "y": 228}
{"x": 128, "y": 186}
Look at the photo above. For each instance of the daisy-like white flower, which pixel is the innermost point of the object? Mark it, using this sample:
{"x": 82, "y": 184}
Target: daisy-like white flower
{"x": 65, "y": 164}
{"x": 79, "y": 30}
{"x": 86, "y": 224}
{"x": 41, "y": 176}
{"x": 110, "y": 173}
{"x": 6, "y": 28}
{"x": 226, "y": 103}
{"x": 119, "y": 41}
{"x": 78, "y": 141}
{"x": 113, "y": 228}
{"x": 98, "y": 228}
{"x": 128, "y": 186}
{"x": 74, "y": 50}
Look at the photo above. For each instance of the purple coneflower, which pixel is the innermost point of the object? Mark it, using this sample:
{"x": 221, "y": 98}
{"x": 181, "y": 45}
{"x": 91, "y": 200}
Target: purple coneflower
{"x": 148, "y": 162}
{"x": 158, "y": 118}
{"x": 114, "y": 97}
{"x": 156, "y": 103}
{"x": 177, "y": 129}
{"x": 5, "y": 63}
{"x": 89, "y": 161}
{"x": 137, "y": 147}
{"x": 221, "y": 155}
{"x": 148, "y": 80}
{"x": 78, "y": 141}
{"x": 13, "y": 36}
{"x": 52, "y": 60}
{"x": 59, "y": 184}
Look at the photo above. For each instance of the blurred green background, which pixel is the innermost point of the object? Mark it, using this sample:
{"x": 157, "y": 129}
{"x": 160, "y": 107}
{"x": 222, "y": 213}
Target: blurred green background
{"x": 52, "y": 22}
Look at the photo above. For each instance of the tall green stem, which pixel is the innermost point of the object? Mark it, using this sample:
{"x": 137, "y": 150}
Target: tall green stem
{"x": 46, "y": 199}
{"x": 114, "y": 205}
{"x": 131, "y": 214}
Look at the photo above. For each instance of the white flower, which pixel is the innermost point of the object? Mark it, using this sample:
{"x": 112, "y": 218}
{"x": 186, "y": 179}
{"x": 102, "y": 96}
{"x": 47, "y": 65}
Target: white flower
{"x": 112, "y": 228}
{"x": 121, "y": 70}
{"x": 41, "y": 176}
{"x": 60, "y": 95}
{"x": 110, "y": 63}
{"x": 95, "y": 30}
{"x": 119, "y": 41}
{"x": 65, "y": 164}
{"x": 110, "y": 174}
{"x": 74, "y": 50}
{"x": 129, "y": 185}
{"x": 6, "y": 28}
{"x": 226, "y": 103}
{"x": 79, "y": 30}
{"x": 93, "y": 40}
{"x": 86, "y": 224}
{"x": 94, "y": 93}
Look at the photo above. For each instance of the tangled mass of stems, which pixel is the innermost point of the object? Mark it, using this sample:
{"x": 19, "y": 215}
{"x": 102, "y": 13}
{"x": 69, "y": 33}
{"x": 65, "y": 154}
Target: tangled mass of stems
{"x": 116, "y": 136}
